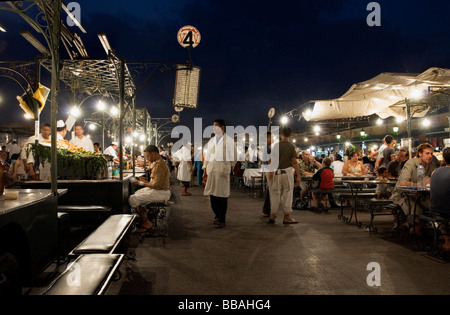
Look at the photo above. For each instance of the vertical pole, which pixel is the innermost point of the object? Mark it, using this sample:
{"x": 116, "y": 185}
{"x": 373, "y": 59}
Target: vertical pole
{"x": 103, "y": 130}
{"x": 121, "y": 112}
{"x": 133, "y": 149}
{"x": 408, "y": 126}
{"x": 146, "y": 137}
{"x": 55, "y": 38}
{"x": 36, "y": 110}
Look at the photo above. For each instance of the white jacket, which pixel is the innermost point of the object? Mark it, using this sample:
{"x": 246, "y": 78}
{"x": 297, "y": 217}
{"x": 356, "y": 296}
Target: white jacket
{"x": 220, "y": 158}
{"x": 183, "y": 156}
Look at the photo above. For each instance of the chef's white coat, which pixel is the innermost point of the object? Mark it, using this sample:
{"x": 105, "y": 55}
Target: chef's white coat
{"x": 220, "y": 158}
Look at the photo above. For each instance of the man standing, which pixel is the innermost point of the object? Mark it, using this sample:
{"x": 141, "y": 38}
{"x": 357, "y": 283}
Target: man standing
{"x": 155, "y": 190}
{"x": 219, "y": 159}
{"x": 61, "y": 129}
{"x": 28, "y": 158}
{"x": 281, "y": 180}
{"x": 81, "y": 140}
{"x": 265, "y": 156}
{"x": 408, "y": 177}
{"x": 184, "y": 174}
{"x": 112, "y": 152}
{"x": 384, "y": 157}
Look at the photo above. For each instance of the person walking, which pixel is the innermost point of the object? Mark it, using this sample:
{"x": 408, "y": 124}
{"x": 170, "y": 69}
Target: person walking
{"x": 265, "y": 152}
{"x": 219, "y": 159}
{"x": 281, "y": 179}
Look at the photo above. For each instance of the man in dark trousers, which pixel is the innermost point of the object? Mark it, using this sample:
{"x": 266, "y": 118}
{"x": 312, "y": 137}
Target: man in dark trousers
{"x": 265, "y": 151}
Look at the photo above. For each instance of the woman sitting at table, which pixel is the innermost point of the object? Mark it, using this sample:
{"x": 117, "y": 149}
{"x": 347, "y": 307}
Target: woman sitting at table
{"x": 353, "y": 166}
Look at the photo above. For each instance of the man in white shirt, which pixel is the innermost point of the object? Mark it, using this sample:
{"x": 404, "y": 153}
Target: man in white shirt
{"x": 81, "y": 140}
{"x": 13, "y": 148}
{"x": 28, "y": 158}
{"x": 112, "y": 151}
{"x": 61, "y": 129}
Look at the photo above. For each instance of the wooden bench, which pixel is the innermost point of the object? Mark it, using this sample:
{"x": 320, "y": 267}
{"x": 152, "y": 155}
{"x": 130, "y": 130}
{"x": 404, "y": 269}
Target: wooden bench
{"x": 89, "y": 274}
{"x": 107, "y": 237}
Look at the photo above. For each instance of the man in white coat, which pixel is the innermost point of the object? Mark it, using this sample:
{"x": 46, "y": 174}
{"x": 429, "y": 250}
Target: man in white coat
{"x": 219, "y": 160}
{"x": 184, "y": 174}
{"x": 81, "y": 140}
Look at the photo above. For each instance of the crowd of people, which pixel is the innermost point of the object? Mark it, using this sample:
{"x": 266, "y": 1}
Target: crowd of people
{"x": 213, "y": 174}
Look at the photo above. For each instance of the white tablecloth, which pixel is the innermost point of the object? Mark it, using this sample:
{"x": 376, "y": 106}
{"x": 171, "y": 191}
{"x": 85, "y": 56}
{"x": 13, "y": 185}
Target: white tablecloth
{"x": 248, "y": 173}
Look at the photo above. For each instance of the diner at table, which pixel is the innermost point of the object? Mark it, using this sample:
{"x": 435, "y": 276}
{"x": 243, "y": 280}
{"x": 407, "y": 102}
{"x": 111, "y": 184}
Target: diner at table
{"x": 353, "y": 166}
{"x": 411, "y": 204}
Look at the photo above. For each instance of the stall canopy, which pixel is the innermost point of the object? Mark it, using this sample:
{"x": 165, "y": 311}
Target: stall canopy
{"x": 384, "y": 95}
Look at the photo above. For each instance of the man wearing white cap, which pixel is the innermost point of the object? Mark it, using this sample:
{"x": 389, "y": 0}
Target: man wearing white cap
{"x": 61, "y": 129}
{"x": 112, "y": 151}
{"x": 81, "y": 140}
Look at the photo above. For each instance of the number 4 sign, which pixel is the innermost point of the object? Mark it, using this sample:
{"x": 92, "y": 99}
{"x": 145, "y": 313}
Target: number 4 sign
{"x": 188, "y": 36}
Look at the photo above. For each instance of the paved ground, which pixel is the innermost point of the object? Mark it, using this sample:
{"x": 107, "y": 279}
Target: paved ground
{"x": 319, "y": 256}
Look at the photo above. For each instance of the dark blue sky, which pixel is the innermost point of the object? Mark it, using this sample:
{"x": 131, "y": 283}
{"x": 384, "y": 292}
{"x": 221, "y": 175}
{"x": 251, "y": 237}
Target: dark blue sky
{"x": 256, "y": 55}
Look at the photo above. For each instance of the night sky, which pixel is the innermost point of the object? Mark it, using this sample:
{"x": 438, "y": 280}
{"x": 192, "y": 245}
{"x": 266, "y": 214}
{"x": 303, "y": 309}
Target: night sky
{"x": 254, "y": 55}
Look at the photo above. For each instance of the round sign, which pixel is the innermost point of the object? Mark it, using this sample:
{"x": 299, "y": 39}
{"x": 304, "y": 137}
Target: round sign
{"x": 178, "y": 109}
{"x": 175, "y": 118}
{"x": 271, "y": 112}
{"x": 188, "y": 36}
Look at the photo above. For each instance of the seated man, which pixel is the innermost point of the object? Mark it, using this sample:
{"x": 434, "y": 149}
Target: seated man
{"x": 408, "y": 177}
{"x": 440, "y": 195}
{"x": 155, "y": 190}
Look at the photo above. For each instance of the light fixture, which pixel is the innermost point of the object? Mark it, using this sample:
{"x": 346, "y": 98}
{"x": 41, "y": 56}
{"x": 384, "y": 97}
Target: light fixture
{"x": 114, "y": 111}
{"x": 75, "y": 112}
{"x": 416, "y": 93}
{"x": 347, "y": 144}
{"x": 317, "y": 133}
{"x": 89, "y": 136}
{"x": 142, "y": 138}
{"x": 306, "y": 139}
{"x": 338, "y": 136}
{"x": 399, "y": 120}
{"x": 33, "y": 41}
{"x": 362, "y": 133}
{"x": 105, "y": 43}
{"x": 92, "y": 127}
{"x": 395, "y": 129}
{"x": 426, "y": 122}
{"x": 284, "y": 120}
{"x": 316, "y": 128}
{"x": 101, "y": 106}
{"x": 308, "y": 113}
{"x": 2, "y": 28}
{"x": 379, "y": 121}
{"x": 294, "y": 140}
{"x": 27, "y": 116}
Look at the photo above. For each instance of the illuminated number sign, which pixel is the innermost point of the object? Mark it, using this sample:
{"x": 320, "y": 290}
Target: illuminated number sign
{"x": 188, "y": 36}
